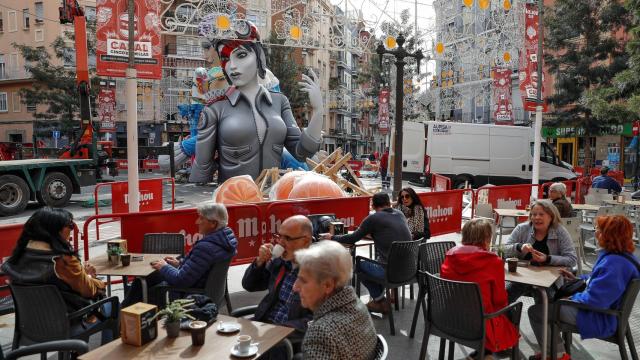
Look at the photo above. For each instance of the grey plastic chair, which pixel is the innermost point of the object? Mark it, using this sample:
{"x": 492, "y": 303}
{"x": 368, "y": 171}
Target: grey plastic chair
{"x": 400, "y": 270}
{"x": 163, "y": 243}
{"x": 430, "y": 259}
{"x": 623, "y": 331}
{"x": 215, "y": 287}
{"x": 64, "y": 348}
{"x": 455, "y": 313}
{"x": 41, "y": 315}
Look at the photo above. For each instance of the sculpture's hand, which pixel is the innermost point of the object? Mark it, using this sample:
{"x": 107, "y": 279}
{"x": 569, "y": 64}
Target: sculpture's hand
{"x": 310, "y": 86}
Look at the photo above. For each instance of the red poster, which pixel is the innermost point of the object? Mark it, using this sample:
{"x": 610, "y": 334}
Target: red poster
{"x": 150, "y": 196}
{"x": 112, "y": 33}
{"x": 529, "y": 60}
{"x": 501, "y": 197}
{"x": 502, "y": 105}
{"x": 383, "y": 112}
{"x": 107, "y": 110}
{"x": 444, "y": 209}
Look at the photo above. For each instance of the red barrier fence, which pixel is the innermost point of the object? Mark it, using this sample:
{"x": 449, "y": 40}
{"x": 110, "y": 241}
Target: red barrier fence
{"x": 444, "y": 210}
{"x": 440, "y": 183}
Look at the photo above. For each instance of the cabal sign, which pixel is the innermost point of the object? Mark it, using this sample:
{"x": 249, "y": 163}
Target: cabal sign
{"x": 117, "y": 47}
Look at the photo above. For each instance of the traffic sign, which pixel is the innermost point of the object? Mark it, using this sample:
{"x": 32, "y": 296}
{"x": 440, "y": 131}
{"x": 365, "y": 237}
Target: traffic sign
{"x": 56, "y": 134}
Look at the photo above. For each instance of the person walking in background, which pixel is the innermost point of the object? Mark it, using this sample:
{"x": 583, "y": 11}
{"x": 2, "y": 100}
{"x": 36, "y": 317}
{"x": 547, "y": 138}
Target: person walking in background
{"x": 411, "y": 206}
{"x": 384, "y": 166}
{"x": 604, "y": 181}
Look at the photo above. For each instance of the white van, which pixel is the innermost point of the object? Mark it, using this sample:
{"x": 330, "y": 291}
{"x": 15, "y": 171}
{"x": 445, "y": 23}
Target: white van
{"x": 478, "y": 154}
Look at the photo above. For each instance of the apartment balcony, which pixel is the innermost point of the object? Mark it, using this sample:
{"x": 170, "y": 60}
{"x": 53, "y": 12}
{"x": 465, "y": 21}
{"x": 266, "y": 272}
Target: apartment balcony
{"x": 14, "y": 74}
{"x": 184, "y": 51}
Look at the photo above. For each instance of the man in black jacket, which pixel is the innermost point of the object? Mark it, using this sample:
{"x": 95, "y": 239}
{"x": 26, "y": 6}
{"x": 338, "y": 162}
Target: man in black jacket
{"x": 281, "y": 305}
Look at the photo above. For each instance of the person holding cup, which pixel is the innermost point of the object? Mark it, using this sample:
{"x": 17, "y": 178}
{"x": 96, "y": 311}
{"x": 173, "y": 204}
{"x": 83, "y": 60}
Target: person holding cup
{"x": 473, "y": 262}
{"x": 542, "y": 240}
{"x": 275, "y": 270}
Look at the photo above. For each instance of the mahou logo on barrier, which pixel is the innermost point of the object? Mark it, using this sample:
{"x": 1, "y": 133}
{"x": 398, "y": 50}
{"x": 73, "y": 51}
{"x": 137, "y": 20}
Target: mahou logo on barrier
{"x": 444, "y": 210}
{"x": 150, "y": 196}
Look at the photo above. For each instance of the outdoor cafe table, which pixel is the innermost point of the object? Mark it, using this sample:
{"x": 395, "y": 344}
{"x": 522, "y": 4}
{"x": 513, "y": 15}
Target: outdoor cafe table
{"x": 502, "y": 213}
{"x": 139, "y": 269}
{"x": 585, "y": 207}
{"x": 216, "y": 345}
{"x": 541, "y": 278}
{"x": 627, "y": 202}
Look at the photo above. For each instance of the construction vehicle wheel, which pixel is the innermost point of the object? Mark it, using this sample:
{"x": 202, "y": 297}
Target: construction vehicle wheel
{"x": 14, "y": 195}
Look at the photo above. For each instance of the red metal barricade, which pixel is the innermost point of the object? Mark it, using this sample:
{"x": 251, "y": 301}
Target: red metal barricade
{"x": 440, "y": 183}
{"x": 444, "y": 209}
{"x": 499, "y": 195}
{"x": 570, "y": 184}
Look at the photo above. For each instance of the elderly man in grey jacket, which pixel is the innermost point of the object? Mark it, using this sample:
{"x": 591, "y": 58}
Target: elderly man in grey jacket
{"x": 542, "y": 240}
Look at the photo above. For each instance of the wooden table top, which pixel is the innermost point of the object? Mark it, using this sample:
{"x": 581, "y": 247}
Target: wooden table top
{"x": 216, "y": 345}
{"x": 627, "y": 202}
{"x": 511, "y": 212}
{"x": 136, "y": 268}
{"x": 587, "y": 207}
{"x": 542, "y": 276}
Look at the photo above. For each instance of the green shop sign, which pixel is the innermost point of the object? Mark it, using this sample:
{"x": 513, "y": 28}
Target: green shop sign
{"x": 569, "y": 131}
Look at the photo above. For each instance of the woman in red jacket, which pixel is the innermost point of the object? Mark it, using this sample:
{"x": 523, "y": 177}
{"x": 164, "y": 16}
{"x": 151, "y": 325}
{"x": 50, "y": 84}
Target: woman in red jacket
{"x": 473, "y": 262}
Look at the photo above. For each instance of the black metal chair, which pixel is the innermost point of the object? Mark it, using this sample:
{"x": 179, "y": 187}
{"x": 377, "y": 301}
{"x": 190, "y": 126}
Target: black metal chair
{"x": 215, "y": 287}
{"x": 6, "y": 302}
{"x": 382, "y": 349}
{"x": 622, "y": 315}
{"x": 455, "y": 313}
{"x": 64, "y": 348}
{"x": 430, "y": 258}
{"x": 41, "y": 315}
{"x": 400, "y": 270}
{"x": 163, "y": 243}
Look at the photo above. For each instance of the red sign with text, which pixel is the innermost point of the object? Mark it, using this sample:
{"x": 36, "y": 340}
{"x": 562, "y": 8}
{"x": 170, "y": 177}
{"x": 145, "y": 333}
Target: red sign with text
{"x": 444, "y": 210}
{"x": 529, "y": 61}
{"x": 112, "y": 38}
{"x": 150, "y": 196}
{"x": 502, "y": 105}
{"x": 504, "y": 197}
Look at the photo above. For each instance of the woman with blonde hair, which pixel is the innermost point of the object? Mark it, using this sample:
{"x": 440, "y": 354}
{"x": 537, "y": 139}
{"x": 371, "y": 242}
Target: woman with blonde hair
{"x": 614, "y": 268}
{"x": 473, "y": 262}
{"x": 542, "y": 240}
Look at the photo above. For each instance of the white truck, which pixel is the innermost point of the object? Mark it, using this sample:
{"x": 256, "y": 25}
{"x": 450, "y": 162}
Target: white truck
{"x": 476, "y": 154}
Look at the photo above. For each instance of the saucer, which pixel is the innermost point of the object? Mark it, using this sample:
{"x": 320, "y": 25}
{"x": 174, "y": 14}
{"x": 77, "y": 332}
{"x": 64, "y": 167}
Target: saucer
{"x": 253, "y": 349}
{"x": 228, "y": 327}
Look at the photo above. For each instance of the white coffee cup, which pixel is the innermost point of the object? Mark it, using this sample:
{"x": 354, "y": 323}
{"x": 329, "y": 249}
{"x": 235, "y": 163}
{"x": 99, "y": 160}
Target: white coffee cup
{"x": 277, "y": 251}
{"x": 244, "y": 343}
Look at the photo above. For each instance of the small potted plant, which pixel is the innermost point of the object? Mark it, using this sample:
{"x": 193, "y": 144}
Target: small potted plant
{"x": 114, "y": 254}
{"x": 173, "y": 313}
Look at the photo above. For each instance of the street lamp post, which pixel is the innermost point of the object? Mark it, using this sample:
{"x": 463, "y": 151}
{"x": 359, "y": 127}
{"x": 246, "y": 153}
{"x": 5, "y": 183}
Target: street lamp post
{"x": 400, "y": 54}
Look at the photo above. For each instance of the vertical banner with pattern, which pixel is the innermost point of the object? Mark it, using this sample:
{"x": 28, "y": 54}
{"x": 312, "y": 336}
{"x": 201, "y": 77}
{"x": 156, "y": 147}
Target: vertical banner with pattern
{"x": 383, "y": 112}
{"x": 107, "y": 110}
{"x": 529, "y": 60}
{"x": 502, "y": 104}
{"x": 112, "y": 33}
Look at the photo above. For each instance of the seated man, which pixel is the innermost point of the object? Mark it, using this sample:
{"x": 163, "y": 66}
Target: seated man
{"x": 385, "y": 226}
{"x": 281, "y": 305}
{"x": 604, "y": 181}
{"x": 218, "y": 244}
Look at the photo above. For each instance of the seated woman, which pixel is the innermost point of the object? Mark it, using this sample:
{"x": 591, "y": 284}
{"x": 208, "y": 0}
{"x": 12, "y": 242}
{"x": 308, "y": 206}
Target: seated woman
{"x": 543, "y": 240}
{"x": 411, "y": 206}
{"x": 43, "y": 255}
{"x": 558, "y": 194}
{"x": 342, "y": 327}
{"x": 614, "y": 268}
{"x": 473, "y": 262}
{"x": 218, "y": 244}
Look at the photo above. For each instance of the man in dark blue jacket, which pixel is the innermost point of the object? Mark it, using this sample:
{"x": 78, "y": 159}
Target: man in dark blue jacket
{"x": 276, "y": 274}
{"x": 604, "y": 181}
{"x": 218, "y": 244}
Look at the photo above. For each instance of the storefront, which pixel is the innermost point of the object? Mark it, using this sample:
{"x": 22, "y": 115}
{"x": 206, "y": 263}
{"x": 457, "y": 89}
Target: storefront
{"x": 608, "y": 146}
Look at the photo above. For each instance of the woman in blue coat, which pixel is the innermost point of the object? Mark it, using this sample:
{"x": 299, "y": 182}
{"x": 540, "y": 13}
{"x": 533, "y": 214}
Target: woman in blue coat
{"x": 615, "y": 267}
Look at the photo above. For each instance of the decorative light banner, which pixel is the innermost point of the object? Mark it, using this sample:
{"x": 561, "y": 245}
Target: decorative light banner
{"x": 107, "y": 110}
{"x": 383, "y": 112}
{"x": 112, "y": 33}
{"x": 502, "y": 104}
{"x": 529, "y": 62}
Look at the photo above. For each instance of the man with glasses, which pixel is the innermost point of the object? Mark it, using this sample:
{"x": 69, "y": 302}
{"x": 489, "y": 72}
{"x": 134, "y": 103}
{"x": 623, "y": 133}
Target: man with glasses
{"x": 277, "y": 274}
{"x": 384, "y": 226}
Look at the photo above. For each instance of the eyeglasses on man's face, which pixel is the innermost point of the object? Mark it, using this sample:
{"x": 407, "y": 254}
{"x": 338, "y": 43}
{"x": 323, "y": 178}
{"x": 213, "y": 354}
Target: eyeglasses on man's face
{"x": 286, "y": 238}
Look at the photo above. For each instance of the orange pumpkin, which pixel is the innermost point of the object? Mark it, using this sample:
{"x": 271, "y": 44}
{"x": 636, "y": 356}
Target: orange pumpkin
{"x": 315, "y": 186}
{"x": 238, "y": 190}
{"x": 282, "y": 187}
